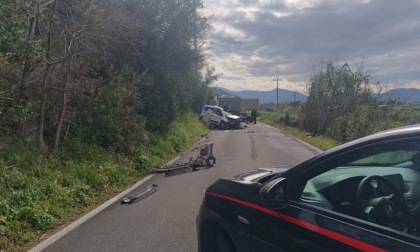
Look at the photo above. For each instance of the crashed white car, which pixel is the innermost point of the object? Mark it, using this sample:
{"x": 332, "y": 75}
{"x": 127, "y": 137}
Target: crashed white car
{"x": 215, "y": 116}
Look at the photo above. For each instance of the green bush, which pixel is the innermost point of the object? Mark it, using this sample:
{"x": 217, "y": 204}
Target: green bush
{"x": 117, "y": 174}
{"x": 76, "y": 150}
{"x": 56, "y": 196}
{"x": 81, "y": 194}
{"x": 13, "y": 180}
{"x": 3, "y": 228}
{"x": 21, "y": 156}
{"x": 37, "y": 216}
{"x": 110, "y": 119}
{"x": 88, "y": 175}
{"x": 273, "y": 118}
{"x": 142, "y": 162}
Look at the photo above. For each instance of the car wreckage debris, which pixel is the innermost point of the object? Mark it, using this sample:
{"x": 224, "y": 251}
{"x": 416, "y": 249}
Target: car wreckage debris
{"x": 202, "y": 156}
{"x": 143, "y": 194}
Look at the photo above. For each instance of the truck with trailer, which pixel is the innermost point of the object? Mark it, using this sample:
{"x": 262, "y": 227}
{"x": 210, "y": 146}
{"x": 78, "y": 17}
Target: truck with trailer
{"x": 238, "y": 106}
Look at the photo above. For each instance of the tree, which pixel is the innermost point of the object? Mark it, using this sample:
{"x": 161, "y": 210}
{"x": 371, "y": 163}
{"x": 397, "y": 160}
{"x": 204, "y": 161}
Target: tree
{"x": 20, "y": 47}
{"x": 336, "y": 96}
{"x": 57, "y": 54}
{"x": 173, "y": 56}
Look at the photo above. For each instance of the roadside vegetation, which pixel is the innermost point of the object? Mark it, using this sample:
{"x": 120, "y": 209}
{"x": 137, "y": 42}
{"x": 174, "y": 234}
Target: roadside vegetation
{"x": 288, "y": 122}
{"x": 38, "y": 193}
{"x": 343, "y": 104}
{"x": 280, "y": 121}
{"x": 92, "y": 93}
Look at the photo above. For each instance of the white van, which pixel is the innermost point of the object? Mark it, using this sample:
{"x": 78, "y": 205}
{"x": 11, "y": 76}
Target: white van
{"x": 220, "y": 118}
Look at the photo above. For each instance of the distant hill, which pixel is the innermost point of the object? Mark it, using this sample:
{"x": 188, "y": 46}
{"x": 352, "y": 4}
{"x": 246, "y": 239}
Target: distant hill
{"x": 225, "y": 92}
{"x": 405, "y": 95}
{"x": 264, "y": 96}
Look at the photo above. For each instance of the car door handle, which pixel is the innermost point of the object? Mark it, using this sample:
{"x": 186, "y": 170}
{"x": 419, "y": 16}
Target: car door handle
{"x": 243, "y": 220}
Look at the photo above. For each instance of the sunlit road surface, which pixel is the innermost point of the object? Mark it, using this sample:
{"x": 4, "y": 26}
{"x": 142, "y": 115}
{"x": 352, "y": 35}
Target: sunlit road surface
{"x": 165, "y": 221}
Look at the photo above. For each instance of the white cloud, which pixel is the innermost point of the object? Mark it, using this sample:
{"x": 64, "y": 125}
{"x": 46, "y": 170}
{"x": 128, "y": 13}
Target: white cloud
{"x": 300, "y": 4}
{"x": 253, "y": 41}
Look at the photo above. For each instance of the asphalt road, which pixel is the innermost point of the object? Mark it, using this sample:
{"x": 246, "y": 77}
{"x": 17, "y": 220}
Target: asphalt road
{"x": 165, "y": 221}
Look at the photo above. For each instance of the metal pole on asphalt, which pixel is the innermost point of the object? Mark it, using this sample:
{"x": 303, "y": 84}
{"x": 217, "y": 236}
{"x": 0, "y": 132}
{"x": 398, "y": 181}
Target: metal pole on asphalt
{"x": 277, "y": 104}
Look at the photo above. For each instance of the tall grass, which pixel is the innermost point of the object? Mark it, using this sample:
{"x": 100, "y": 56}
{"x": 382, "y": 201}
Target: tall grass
{"x": 38, "y": 193}
{"x": 283, "y": 122}
{"x": 404, "y": 114}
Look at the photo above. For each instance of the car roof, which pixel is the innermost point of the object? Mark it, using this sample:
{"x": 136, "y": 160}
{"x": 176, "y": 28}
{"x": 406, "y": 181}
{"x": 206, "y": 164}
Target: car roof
{"x": 382, "y": 136}
{"x": 212, "y": 106}
{"x": 401, "y": 132}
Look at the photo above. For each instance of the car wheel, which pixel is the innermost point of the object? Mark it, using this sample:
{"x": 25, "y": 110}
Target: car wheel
{"x": 214, "y": 238}
{"x": 222, "y": 125}
{"x": 223, "y": 242}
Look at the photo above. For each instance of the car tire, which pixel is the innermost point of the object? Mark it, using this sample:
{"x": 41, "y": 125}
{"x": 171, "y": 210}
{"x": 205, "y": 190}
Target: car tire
{"x": 222, "y": 242}
{"x": 222, "y": 125}
{"x": 214, "y": 238}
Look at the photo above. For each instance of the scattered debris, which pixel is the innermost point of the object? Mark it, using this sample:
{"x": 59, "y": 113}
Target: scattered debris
{"x": 143, "y": 194}
{"x": 202, "y": 156}
{"x": 251, "y": 131}
{"x": 178, "y": 168}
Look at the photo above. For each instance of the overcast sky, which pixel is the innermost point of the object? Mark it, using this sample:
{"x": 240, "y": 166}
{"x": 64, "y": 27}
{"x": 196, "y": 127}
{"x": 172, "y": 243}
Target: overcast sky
{"x": 253, "y": 41}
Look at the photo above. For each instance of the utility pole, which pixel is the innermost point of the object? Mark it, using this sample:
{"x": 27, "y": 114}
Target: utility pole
{"x": 277, "y": 80}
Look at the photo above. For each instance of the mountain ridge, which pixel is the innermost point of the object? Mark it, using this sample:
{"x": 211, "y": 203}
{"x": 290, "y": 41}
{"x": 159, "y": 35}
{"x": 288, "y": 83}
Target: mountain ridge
{"x": 404, "y": 95}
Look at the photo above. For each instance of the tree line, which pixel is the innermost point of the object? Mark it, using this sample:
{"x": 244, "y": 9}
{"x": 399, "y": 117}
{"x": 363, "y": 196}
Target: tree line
{"x": 99, "y": 71}
{"x": 344, "y": 103}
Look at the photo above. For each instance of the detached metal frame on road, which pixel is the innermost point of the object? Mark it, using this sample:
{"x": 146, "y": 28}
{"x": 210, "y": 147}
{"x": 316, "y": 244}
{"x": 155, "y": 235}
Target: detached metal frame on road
{"x": 202, "y": 156}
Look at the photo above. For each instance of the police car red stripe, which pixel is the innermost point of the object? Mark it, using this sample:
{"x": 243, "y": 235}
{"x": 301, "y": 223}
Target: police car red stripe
{"x": 326, "y": 232}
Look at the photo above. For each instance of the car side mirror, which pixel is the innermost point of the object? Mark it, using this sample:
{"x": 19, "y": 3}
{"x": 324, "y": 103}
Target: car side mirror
{"x": 274, "y": 193}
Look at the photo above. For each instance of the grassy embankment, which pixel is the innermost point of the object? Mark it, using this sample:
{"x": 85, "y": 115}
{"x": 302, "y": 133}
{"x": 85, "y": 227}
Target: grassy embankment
{"x": 404, "y": 114}
{"x": 278, "y": 120}
{"x": 39, "y": 194}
